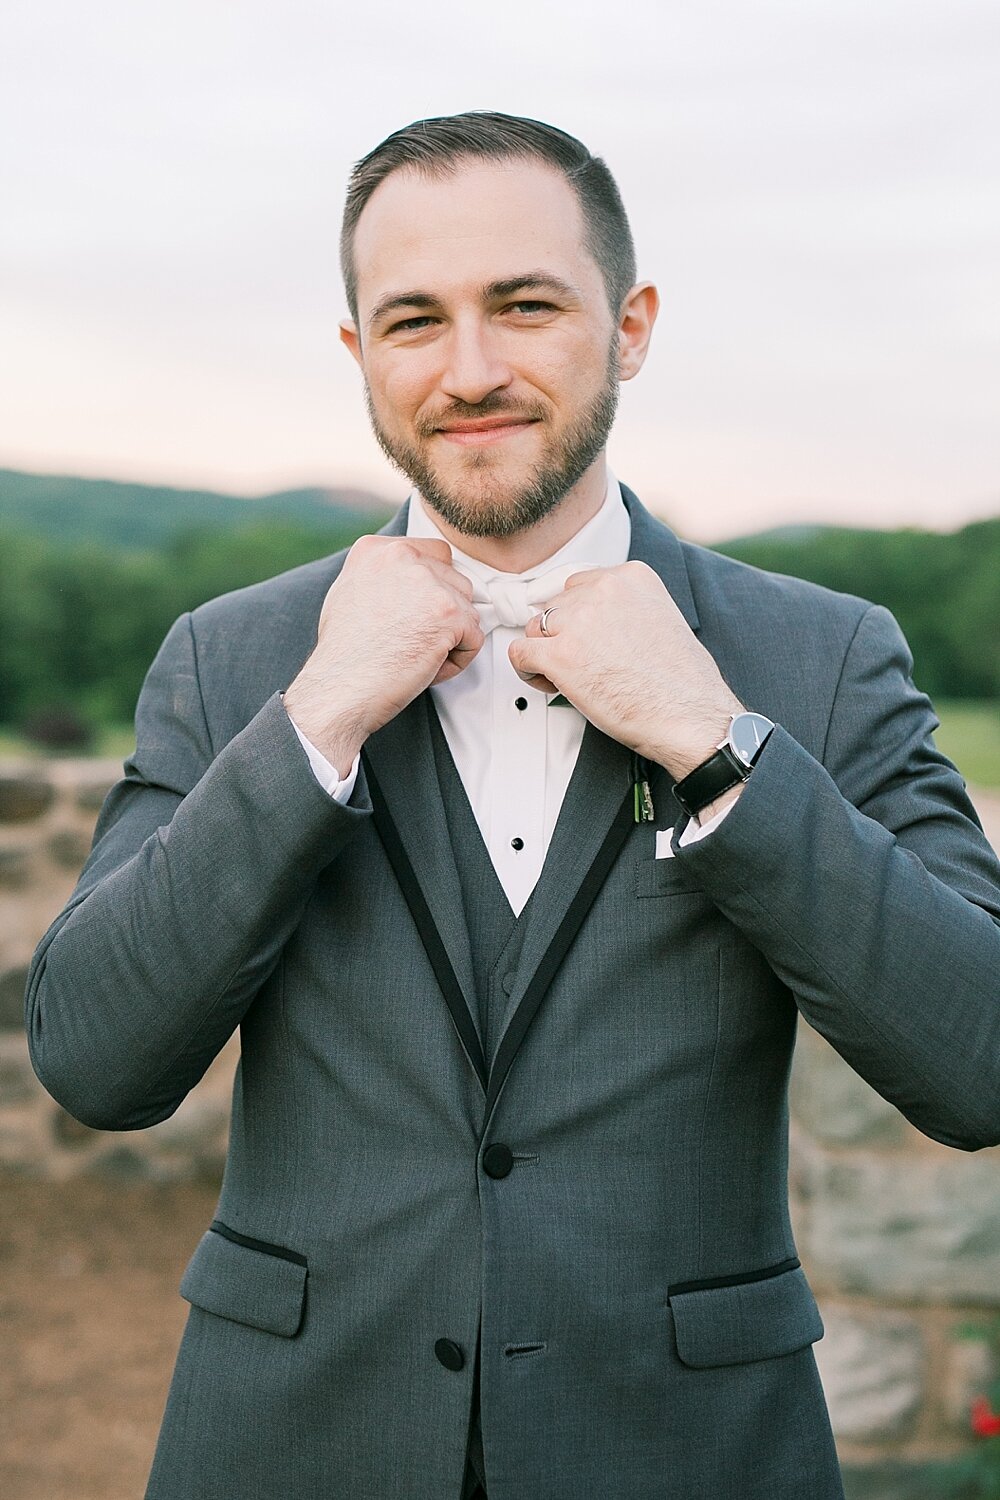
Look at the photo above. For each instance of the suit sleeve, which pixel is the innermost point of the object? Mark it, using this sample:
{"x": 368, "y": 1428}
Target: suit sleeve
{"x": 201, "y": 868}
{"x": 868, "y": 885}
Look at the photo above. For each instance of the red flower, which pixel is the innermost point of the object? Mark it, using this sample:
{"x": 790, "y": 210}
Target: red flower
{"x": 984, "y": 1422}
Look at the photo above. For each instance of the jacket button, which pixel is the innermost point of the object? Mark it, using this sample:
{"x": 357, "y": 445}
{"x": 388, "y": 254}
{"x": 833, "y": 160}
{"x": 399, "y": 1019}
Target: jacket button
{"x": 507, "y": 983}
{"x": 497, "y": 1160}
{"x": 450, "y": 1354}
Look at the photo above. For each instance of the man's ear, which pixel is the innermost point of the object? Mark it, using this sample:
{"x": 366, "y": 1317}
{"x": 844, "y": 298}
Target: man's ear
{"x": 635, "y": 327}
{"x": 351, "y": 338}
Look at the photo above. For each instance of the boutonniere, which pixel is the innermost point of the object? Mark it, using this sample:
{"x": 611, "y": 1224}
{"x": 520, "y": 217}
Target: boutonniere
{"x": 644, "y": 811}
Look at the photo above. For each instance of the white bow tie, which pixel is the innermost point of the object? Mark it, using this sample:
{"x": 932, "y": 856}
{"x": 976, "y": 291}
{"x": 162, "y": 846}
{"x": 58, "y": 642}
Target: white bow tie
{"x": 504, "y": 600}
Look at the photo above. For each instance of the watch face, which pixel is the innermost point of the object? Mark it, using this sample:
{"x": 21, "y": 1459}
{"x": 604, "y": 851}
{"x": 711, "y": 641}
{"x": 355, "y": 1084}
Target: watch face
{"x": 747, "y": 735}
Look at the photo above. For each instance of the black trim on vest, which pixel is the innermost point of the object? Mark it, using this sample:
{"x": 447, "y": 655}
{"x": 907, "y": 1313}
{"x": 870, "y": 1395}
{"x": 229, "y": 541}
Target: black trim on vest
{"x": 559, "y": 946}
{"x": 493, "y": 1079}
{"x": 264, "y": 1246}
{"x": 744, "y": 1279}
{"x": 429, "y": 935}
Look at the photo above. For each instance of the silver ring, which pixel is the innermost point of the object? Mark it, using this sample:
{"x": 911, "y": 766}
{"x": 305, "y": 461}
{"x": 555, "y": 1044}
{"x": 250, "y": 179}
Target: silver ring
{"x": 543, "y": 622}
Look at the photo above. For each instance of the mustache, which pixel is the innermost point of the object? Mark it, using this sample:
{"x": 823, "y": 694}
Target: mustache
{"x": 493, "y": 405}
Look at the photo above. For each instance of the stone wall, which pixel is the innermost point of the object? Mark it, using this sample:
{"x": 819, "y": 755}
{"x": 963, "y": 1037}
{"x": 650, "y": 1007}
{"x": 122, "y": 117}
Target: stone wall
{"x": 47, "y": 815}
{"x": 900, "y": 1236}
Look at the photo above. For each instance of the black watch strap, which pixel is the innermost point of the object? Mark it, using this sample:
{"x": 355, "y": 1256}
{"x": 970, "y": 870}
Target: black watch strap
{"x": 709, "y": 780}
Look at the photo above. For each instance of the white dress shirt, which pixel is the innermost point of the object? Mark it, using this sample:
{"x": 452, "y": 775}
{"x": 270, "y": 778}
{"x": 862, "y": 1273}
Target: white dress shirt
{"x": 514, "y": 747}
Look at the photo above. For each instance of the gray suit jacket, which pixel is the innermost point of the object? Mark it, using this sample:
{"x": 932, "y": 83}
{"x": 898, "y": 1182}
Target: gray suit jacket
{"x": 645, "y": 1329}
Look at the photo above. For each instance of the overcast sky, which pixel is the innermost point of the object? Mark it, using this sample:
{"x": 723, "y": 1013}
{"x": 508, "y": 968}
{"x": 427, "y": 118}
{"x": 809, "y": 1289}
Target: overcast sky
{"x": 814, "y": 185}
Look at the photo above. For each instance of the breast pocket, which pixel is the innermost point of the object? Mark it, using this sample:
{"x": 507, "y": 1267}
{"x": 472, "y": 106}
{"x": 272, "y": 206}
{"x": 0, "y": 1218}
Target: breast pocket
{"x": 755, "y": 1319}
{"x": 250, "y": 1282}
{"x": 665, "y": 877}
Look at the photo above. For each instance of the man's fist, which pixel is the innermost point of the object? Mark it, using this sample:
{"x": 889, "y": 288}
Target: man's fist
{"x": 398, "y": 618}
{"x": 622, "y": 653}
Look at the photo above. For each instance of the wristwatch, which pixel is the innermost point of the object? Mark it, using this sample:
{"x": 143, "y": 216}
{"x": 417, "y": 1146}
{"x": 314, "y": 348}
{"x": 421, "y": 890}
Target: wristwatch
{"x": 732, "y": 763}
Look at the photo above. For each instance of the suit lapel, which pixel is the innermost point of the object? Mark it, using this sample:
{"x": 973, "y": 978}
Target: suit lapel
{"x": 399, "y": 764}
{"x": 589, "y": 831}
{"x": 403, "y": 784}
{"x": 655, "y": 544}
{"x": 593, "y": 824}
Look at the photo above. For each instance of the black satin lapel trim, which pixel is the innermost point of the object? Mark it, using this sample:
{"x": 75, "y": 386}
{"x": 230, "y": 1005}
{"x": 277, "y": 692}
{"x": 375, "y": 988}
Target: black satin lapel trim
{"x": 430, "y": 937}
{"x": 409, "y": 816}
{"x": 558, "y": 947}
{"x": 599, "y": 786}
{"x": 655, "y": 544}
{"x": 593, "y": 825}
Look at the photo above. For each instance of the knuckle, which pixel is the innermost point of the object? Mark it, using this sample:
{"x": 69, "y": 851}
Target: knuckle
{"x": 642, "y": 570}
{"x": 364, "y": 545}
{"x": 446, "y": 610}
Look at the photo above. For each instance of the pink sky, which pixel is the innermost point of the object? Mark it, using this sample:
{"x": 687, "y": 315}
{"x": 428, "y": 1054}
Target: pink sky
{"x": 813, "y": 189}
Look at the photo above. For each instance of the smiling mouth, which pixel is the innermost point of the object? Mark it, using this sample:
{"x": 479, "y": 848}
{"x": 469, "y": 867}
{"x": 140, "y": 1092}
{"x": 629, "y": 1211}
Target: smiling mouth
{"x": 489, "y": 430}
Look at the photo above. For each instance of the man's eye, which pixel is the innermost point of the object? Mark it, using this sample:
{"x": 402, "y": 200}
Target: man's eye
{"x": 407, "y": 325}
{"x": 531, "y": 307}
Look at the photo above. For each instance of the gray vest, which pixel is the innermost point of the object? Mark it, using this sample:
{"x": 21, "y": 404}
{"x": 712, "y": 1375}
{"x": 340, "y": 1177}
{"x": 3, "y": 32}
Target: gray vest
{"x": 496, "y": 939}
{"x": 496, "y": 936}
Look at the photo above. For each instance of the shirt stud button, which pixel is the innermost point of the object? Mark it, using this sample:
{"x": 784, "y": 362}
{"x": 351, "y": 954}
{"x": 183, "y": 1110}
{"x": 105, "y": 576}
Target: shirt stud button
{"x": 520, "y": 704}
{"x": 517, "y": 844}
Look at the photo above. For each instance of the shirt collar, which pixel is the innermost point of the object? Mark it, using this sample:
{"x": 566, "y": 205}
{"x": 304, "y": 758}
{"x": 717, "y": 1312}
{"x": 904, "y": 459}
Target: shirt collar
{"x": 603, "y": 542}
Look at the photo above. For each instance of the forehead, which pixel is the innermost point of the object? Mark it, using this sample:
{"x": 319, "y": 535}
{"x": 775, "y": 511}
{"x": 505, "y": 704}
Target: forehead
{"x": 480, "y": 222}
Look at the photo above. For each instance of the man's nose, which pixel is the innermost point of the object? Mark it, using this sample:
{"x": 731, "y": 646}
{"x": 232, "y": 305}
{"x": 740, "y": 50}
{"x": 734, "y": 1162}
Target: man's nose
{"x": 475, "y": 365}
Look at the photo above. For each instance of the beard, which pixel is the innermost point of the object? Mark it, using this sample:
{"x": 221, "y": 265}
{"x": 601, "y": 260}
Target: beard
{"x": 501, "y": 507}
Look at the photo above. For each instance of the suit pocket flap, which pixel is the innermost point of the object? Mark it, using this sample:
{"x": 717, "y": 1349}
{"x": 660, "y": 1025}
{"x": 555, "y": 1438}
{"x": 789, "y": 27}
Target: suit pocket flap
{"x": 666, "y": 877}
{"x": 733, "y": 1325}
{"x": 256, "y": 1287}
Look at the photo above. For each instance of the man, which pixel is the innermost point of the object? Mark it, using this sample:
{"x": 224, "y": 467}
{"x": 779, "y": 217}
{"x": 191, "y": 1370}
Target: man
{"x": 513, "y": 841}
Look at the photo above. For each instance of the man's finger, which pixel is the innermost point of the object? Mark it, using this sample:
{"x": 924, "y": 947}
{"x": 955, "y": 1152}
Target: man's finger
{"x": 431, "y": 546}
{"x": 529, "y": 659}
{"x": 456, "y": 661}
{"x": 586, "y": 575}
{"x": 553, "y": 616}
{"x": 459, "y": 657}
{"x": 542, "y": 684}
{"x": 464, "y": 585}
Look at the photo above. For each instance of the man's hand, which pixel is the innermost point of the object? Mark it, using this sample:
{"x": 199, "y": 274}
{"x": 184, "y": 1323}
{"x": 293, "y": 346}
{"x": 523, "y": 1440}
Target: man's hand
{"x": 622, "y": 653}
{"x": 398, "y": 618}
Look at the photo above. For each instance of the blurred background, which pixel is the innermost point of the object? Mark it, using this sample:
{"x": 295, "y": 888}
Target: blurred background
{"x": 815, "y": 188}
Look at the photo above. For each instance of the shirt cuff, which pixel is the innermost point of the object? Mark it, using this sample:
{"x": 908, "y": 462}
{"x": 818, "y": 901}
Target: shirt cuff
{"x": 693, "y": 833}
{"x": 328, "y": 776}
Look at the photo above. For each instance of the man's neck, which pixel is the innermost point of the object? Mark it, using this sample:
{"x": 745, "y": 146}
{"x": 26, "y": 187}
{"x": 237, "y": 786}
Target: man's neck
{"x": 526, "y": 549}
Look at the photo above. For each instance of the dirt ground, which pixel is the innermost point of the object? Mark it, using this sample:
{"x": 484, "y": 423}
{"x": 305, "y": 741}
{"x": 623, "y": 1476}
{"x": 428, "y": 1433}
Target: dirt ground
{"x": 90, "y": 1320}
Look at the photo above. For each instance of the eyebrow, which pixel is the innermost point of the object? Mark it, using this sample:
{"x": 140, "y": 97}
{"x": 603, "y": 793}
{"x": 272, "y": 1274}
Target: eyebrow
{"x": 532, "y": 280}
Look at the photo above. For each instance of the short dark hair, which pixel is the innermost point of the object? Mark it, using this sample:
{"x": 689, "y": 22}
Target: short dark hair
{"x": 436, "y": 146}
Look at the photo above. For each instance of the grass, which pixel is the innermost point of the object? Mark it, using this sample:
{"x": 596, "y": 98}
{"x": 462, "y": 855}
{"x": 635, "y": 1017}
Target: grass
{"x": 111, "y": 741}
{"x": 970, "y": 736}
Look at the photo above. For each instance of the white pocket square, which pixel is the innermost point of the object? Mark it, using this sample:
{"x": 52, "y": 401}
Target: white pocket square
{"x": 664, "y": 849}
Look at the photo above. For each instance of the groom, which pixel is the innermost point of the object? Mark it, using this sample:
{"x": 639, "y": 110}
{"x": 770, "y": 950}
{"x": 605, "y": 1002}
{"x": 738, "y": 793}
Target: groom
{"x": 514, "y": 841}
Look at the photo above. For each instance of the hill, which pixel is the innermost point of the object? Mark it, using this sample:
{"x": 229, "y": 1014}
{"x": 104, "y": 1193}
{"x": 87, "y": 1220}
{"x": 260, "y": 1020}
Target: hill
{"x": 944, "y": 589}
{"x": 93, "y": 572}
{"x": 140, "y": 516}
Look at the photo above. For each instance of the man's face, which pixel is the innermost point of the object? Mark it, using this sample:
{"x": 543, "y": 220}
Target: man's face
{"x": 489, "y": 352}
